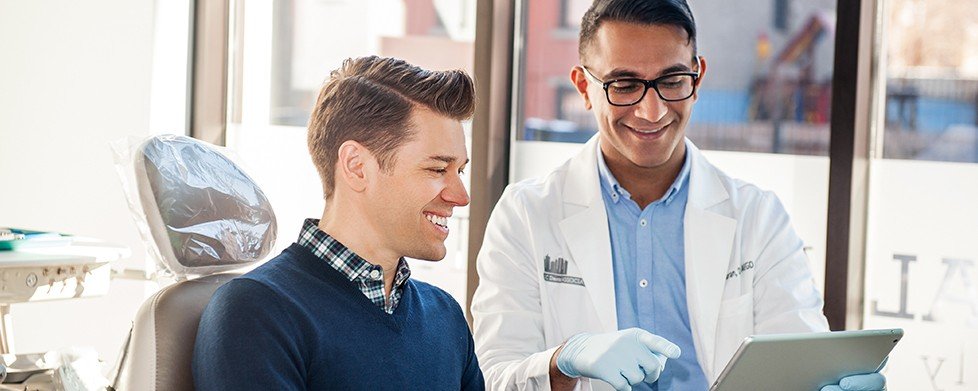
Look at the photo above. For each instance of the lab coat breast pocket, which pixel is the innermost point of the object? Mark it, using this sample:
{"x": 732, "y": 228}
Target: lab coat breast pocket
{"x": 734, "y": 323}
{"x": 569, "y": 301}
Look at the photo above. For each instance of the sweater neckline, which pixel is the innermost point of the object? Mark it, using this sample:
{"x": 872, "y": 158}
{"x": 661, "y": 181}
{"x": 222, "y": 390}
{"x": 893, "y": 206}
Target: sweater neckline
{"x": 316, "y": 266}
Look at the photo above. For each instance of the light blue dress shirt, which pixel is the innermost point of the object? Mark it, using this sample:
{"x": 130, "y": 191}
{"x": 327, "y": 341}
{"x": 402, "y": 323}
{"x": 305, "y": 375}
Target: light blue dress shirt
{"x": 649, "y": 267}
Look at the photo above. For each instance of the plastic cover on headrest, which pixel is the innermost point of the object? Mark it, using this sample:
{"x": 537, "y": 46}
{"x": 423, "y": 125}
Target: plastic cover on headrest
{"x": 202, "y": 213}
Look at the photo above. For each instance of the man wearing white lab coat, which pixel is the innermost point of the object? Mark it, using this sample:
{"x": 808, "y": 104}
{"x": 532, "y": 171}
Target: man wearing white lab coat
{"x": 558, "y": 266}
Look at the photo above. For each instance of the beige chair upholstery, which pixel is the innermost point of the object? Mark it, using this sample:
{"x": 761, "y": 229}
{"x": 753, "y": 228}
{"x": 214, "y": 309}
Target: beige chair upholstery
{"x": 161, "y": 343}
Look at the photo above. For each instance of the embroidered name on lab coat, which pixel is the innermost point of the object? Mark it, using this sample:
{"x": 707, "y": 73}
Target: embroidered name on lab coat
{"x": 740, "y": 270}
{"x": 555, "y": 270}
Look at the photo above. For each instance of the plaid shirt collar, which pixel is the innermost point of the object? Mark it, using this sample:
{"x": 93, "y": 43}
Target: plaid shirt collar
{"x": 368, "y": 277}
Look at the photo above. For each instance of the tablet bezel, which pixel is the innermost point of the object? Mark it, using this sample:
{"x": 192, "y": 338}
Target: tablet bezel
{"x": 765, "y": 361}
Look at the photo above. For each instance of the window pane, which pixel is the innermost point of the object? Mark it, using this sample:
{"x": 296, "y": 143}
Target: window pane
{"x": 311, "y": 37}
{"x": 286, "y": 50}
{"x": 922, "y": 256}
{"x": 932, "y": 83}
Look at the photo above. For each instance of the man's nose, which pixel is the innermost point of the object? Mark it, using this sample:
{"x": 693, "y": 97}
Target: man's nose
{"x": 651, "y": 108}
{"x": 455, "y": 193}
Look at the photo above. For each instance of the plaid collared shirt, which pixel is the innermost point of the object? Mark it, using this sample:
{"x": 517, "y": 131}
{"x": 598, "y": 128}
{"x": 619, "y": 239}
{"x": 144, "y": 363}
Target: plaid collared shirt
{"x": 368, "y": 277}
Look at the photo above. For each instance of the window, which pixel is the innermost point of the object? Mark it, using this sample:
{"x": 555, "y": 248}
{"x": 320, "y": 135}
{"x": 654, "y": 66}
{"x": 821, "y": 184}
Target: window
{"x": 570, "y": 13}
{"x": 932, "y": 81}
{"x": 781, "y": 13}
{"x": 921, "y": 254}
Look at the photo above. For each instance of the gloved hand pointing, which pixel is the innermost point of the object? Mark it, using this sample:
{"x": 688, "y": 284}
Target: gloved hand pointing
{"x": 622, "y": 358}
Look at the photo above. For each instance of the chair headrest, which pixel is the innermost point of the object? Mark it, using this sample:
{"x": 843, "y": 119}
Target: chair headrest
{"x": 204, "y": 214}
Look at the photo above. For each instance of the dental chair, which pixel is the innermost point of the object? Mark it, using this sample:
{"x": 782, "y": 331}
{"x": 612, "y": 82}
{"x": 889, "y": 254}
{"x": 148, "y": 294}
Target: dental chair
{"x": 202, "y": 217}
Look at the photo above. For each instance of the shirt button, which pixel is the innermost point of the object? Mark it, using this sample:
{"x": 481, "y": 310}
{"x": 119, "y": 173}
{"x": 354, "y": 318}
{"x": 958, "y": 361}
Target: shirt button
{"x": 644, "y": 283}
{"x": 374, "y": 274}
{"x": 643, "y": 223}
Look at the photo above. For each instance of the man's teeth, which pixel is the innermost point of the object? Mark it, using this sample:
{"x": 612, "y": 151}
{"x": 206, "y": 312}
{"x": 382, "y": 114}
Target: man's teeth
{"x": 648, "y": 131}
{"x": 438, "y": 220}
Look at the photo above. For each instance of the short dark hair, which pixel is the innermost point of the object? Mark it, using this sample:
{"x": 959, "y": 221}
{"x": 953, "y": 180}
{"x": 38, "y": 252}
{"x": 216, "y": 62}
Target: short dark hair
{"x": 651, "y": 12}
{"x": 370, "y": 100}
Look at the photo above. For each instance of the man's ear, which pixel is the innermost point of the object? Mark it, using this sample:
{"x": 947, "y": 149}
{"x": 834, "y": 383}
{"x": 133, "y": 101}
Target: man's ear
{"x": 352, "y": 166}
{"x": 701, "y": 68}
{"x": 580, "y": 83}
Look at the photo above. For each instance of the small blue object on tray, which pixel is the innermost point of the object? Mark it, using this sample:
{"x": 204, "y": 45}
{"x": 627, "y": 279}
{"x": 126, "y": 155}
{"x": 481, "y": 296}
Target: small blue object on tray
{"x": 15, "y": 239}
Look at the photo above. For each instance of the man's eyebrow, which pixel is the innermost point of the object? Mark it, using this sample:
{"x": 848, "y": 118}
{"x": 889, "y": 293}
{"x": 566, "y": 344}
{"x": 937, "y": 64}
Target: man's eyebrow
{"x": 446, "y": 158}
{"x": 619, "y": 73}
{"x": 676, "y": 69}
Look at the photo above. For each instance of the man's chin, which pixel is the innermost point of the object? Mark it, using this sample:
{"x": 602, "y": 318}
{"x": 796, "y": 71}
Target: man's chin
{"x": 651, "y": 157}
{"x": 432, "y": 254}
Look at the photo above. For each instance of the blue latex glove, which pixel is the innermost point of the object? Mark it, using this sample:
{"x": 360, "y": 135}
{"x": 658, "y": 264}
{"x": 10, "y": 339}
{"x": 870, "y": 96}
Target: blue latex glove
{"x": 621, "y": 358}
{"x": 865, "y": 382}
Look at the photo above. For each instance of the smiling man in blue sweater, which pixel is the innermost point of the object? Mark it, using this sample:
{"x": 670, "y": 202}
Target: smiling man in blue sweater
{"x": 338, "y": 309}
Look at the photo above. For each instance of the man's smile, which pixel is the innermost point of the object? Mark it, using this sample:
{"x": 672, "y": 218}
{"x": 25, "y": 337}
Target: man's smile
{"x": 439, "y": 221}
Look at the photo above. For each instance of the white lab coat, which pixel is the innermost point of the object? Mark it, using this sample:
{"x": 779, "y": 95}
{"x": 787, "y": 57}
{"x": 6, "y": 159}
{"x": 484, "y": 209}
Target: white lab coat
{"x": 746, "y": 272}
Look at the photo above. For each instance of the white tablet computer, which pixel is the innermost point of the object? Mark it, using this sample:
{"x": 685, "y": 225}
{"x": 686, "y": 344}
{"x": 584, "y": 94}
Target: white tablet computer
{"x": 805, "y": 362}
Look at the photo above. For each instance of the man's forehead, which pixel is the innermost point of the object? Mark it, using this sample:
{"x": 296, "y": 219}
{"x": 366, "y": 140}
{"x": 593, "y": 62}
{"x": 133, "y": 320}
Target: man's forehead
{"x": 437, "y": 138}
{"x": 640, "y": 48}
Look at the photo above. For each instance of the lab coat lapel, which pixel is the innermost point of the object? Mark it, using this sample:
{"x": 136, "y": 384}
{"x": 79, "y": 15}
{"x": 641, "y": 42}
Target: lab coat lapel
{"x": 709, "y": 238}
{"x": 585, "y": 232}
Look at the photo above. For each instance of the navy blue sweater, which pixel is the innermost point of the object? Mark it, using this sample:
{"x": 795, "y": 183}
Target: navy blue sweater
{"x": 295, "y": 323}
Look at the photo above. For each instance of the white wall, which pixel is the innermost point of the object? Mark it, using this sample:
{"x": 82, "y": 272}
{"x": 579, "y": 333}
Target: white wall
{"x": 74, "y": 75}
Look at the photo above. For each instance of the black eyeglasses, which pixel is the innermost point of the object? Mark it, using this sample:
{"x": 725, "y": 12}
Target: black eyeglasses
{"x": 629, "y": 91}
